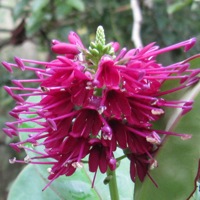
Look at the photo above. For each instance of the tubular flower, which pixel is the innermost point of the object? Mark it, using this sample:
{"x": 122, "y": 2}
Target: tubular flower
{"x": 93, "y": 101}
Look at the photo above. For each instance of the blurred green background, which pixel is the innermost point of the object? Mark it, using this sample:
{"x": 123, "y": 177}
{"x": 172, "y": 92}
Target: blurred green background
{"x": 28, "y": 26}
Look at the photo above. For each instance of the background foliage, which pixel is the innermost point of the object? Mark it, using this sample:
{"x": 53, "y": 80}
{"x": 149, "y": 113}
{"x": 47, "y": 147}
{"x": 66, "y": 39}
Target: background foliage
{"x": 32, "y": 24}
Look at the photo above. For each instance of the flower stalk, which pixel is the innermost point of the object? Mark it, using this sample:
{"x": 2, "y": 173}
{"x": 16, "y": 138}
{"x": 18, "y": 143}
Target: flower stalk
{"x": 113, "y": 188}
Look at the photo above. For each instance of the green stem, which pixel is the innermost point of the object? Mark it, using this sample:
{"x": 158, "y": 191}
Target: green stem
{"x": 113, "y": 185}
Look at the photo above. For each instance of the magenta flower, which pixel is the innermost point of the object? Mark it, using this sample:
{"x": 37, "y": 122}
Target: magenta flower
{"x": 93, "y": 101}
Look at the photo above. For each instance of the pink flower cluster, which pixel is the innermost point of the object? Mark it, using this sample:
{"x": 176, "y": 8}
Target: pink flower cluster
{"x": 93, "y": 104}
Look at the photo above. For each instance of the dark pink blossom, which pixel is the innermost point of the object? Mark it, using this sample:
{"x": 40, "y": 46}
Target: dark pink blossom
{"x": 101, "y": 155}
{"x": 116, "y": 104}
{"x": 93, "y": 101}
{"x": 87, "y": 123}
{"x": 107, "y": 73}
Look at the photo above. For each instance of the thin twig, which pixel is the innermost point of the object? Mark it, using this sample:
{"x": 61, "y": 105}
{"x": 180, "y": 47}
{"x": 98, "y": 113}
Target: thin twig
{"x": 137, "y": 22}
{"x": 123, "y": 8}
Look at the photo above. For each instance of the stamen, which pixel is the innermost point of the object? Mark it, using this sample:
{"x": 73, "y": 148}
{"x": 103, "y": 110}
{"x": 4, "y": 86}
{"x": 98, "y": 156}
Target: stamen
{"x": 106, "y": 132}
{"x": 65, "y": 116}
{"x": 12, "y": 161}
{"x": 186, "y": 137}
{"x": 27, "y": 159}
{"x": 157, "y": 111}
{"x": 52, "y": 124}
{"x": 19, "y": 63}
{"x": 153, "y": 139}
{"x": 154, "y": 165}
{"x": 7, "y": 66}
{"x": 183, "y": 136}
{"x": 187, "y": 44}
{"x": 24, "y": 89}
{"x": 10, "y": 132}
{"x": 101, "y": 109}
{"x": 77, "y": 165}
{"x": 49, "y": 170}
{"x": 121, "y": 54}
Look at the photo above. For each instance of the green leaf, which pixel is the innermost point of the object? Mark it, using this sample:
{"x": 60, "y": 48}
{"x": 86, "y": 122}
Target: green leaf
{"x": 62, "y": 9}
{"x": 34, "y": 23}
{"x": 177, "y": 159}
{"x": 196, "y": 195}
{"x": 38, "y": 15}
{"x": 32, "y": 180}
{"x": 77, "y": 4}
{"x": 38, "y": 5}
{"x": 178, "y": 6}
{"x": 195, "y": 63}
{"x": 30, "y": 183}
{"x": 20, "y": 8}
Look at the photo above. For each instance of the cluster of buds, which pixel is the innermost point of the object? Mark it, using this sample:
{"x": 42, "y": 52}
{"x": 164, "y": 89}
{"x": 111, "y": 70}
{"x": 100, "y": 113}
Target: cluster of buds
{"x": 92, "y": 101}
